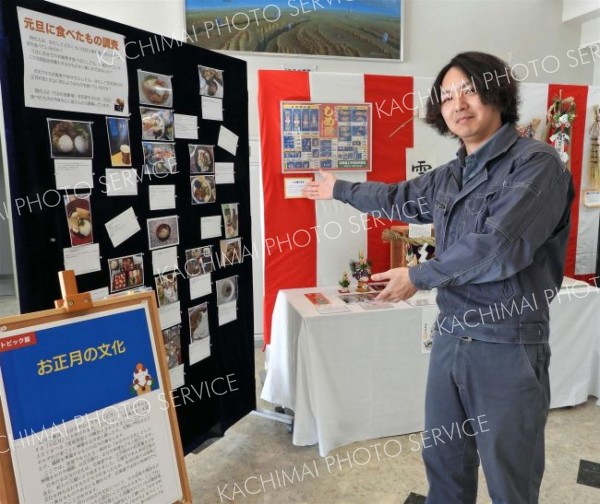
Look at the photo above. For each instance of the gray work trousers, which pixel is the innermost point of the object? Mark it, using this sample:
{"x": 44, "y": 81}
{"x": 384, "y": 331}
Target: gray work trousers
{"x": 489, "y": 402}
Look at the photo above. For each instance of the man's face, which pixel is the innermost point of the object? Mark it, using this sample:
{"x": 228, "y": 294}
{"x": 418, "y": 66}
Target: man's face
{"x": 469, "y": 119}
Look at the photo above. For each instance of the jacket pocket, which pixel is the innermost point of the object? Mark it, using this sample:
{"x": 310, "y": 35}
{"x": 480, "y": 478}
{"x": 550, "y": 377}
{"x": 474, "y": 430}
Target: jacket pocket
{"x": 475, "y": 204}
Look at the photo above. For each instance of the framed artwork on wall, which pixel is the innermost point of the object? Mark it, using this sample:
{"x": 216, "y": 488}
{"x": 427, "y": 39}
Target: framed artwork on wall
{"x": 334, "y": 28}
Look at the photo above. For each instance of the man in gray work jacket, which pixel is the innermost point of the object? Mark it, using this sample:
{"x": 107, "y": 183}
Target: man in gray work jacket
{"x": 501, "y": 212}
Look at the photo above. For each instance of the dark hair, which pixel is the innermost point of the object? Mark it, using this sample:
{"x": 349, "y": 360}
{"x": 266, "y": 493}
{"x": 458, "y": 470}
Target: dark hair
{"x": 491, "y": 78}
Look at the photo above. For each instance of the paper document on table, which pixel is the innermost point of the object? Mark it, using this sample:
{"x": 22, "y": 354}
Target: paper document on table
{"x": 375, "y": 305}
{"x": 317, "y": 298}
{"x": 422, "y": 298}
{"x": 329, "y": 309}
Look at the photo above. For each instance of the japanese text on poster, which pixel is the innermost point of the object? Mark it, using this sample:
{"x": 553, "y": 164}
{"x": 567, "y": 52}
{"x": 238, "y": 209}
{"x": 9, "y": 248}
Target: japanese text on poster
{"x": 85, "y": 411}
{"x": 71, "y": 66}
{"x": 317, "y": 136}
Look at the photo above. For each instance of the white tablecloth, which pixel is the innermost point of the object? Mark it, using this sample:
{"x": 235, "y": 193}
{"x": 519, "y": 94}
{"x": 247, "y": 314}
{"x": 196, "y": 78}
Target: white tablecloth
{"x": 361, "y": 374}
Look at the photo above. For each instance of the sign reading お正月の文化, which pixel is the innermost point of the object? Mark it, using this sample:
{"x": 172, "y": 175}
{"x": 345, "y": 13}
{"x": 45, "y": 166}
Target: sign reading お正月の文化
{"x": 84, "y": 402}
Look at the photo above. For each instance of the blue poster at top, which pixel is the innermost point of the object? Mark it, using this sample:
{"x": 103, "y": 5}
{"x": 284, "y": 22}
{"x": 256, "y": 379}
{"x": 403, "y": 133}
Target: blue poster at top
{"x": 78, "y": 367}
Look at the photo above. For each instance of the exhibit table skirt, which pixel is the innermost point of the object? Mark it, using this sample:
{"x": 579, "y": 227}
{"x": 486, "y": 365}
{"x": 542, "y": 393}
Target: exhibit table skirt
{"x": 361, "y": 374}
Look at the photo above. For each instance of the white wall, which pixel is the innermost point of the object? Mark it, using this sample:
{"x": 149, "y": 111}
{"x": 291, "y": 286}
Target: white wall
{"x": 435, "y": 30}
{"x": 520, "y": 31}
{"x": 575, "y": 8}
{"x": 158, "y": 16}
{"x": 590, "y": 32}
{"x": 523, "y": 32}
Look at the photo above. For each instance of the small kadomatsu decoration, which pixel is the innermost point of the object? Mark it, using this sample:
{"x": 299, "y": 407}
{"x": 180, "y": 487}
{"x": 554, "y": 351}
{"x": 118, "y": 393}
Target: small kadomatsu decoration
{"x": 594, "y": 174}
{"x": 344, "y": 283}
{"x": 560, "y": 121}
{"x": 361, "y": 270}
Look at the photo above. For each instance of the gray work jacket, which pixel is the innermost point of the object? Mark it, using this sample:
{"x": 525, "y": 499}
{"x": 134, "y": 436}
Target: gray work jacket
{"x": 500, "y": 240}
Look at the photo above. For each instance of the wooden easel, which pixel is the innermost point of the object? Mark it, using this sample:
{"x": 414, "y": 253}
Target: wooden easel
{"x": 74, "y": 304}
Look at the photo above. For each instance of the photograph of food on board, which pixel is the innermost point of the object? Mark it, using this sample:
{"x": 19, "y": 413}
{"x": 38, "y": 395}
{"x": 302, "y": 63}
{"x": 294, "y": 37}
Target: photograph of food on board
{"x": 203, "y": 189}
{"x": 163, "y": 232}
{"x": 126, "y": 272}
{"x": 157, "y": 124}
{"x": 70, "y": 139}
{"x": 211, "y": 82}
{"x": 202, "y": 158}
{"x": 155, "y": 89}
{"x": 159, "y": 158}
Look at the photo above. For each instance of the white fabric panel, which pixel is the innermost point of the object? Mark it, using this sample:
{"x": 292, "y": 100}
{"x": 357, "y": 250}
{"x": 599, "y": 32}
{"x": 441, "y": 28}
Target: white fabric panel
{"x": 340, "y": 233}
{"x": 587, "y": 231}
{"x": 337, "y": 87}
{"x": 355, "y": 375}
{"x": 282, "y": 388}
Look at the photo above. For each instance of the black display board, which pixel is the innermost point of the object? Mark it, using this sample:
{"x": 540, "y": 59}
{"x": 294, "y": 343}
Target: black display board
{"x": 41, "y": 232}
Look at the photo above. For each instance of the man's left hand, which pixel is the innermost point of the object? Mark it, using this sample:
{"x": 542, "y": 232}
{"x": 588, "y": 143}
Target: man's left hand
{"x": 399, "y": 286}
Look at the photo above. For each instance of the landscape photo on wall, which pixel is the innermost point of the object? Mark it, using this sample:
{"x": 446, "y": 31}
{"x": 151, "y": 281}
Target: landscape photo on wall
{"x": 339, "y": 28}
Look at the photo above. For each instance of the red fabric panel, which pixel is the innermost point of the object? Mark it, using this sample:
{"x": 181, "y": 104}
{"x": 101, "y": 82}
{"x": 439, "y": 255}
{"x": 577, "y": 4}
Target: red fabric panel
{"x": 290, "y": 259}
{"x": 392, "y": 99}
{"x": 577, "y": 137}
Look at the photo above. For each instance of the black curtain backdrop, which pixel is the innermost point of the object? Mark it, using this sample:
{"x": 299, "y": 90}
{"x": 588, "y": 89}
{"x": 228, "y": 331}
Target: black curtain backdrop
{"x": 41, "y": 231}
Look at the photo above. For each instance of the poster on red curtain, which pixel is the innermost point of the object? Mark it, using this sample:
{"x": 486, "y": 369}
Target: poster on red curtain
{"x": 328, "y": 136}
{"x": 71, "y": 66}
{"x": 85, "y": 410}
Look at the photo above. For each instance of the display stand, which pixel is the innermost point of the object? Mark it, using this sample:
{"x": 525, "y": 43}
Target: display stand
{"x": 176, "y": 228}
{"x": 23, "y": 339}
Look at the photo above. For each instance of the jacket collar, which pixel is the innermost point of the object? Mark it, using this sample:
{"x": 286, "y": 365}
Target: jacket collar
{"x": 502, "y": 140}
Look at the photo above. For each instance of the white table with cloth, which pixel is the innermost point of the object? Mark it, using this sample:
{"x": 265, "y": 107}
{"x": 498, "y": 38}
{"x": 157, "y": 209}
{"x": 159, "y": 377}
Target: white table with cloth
{"x": 361, "y": 374}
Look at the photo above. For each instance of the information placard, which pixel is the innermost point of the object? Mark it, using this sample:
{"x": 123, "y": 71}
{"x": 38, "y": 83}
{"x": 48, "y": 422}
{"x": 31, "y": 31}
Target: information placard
{"x": 325, "y": 136}
{"x": 86, "y": 407}
{"x": 92, "y": 63}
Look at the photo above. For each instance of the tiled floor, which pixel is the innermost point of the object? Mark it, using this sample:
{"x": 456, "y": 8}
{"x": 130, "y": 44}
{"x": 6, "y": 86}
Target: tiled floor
{"x": 256, "y": 463}
{"x": 258, "y": 448}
